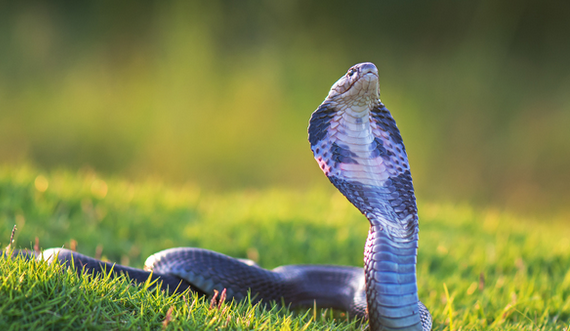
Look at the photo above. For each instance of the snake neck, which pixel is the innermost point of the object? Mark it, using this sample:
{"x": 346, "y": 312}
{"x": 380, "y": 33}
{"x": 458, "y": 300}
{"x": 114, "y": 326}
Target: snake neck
{"x": 391, "y": 287}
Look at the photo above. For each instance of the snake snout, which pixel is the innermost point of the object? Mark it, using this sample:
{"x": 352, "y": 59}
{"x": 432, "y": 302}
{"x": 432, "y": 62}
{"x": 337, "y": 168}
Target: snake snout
{"x": 368, "y": 68}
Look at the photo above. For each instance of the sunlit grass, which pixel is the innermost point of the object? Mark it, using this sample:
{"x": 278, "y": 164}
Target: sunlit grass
{"x": 39, "y": 296}
{"x": 477, "y": 269}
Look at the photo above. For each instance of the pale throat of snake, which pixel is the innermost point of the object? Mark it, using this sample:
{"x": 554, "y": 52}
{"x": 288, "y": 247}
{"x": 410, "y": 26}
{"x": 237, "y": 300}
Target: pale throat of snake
{"x": 356, "y": 143}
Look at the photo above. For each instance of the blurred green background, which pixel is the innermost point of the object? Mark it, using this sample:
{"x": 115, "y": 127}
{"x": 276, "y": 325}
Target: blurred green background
{"x": 219, "y": 93}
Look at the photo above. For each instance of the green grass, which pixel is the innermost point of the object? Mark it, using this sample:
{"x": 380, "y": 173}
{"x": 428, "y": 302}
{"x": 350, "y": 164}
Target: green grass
{"x": 39, "y": 296}
{"x": 477, "y": 269}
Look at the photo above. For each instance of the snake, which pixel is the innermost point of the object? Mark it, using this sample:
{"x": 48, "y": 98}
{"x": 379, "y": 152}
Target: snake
{"x": 358, "y": 146}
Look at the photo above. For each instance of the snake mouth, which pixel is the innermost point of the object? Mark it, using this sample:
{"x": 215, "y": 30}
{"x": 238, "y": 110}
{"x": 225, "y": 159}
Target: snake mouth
{"x": 368, "y": 69}
{"x": 369, "y": 76}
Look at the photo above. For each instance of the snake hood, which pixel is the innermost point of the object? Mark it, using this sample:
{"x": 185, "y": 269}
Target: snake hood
{"x": 358, "y": 146}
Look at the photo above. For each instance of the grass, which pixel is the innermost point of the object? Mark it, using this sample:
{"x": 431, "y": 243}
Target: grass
{"x": 39, "y": 296}
{"x": 477, "y": 269}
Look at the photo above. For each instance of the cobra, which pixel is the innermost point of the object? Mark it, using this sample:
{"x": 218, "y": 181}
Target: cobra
{"x": 358, "y": 146}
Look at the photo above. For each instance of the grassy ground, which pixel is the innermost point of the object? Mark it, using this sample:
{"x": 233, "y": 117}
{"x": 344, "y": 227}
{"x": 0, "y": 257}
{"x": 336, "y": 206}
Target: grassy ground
{"x": 484, "y": 270}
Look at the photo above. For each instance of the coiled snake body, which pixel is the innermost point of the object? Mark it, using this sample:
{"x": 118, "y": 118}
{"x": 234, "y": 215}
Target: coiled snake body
{"x": 359, "y": 148}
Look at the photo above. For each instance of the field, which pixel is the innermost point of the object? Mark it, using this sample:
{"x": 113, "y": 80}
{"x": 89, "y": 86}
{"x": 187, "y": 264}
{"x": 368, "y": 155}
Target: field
{"x": 127, "y": 128}
{"x": 477, "y": 269}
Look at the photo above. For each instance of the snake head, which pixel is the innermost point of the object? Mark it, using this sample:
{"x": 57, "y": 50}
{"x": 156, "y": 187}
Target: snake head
{"x": 358, "y": 88}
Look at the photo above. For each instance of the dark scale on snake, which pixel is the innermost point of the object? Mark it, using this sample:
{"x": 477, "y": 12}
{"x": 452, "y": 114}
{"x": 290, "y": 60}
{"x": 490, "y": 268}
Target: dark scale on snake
{"x": 379, "y": 150}
{"x": 341, "y": 154}
{"x": 358, "y": 146}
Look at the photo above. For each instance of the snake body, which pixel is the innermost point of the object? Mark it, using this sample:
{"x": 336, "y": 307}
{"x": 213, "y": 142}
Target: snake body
{"x": 356, "y": 143}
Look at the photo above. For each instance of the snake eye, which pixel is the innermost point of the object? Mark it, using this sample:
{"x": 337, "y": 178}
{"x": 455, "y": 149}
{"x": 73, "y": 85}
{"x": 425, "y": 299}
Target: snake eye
{"x": 351, "y": 71}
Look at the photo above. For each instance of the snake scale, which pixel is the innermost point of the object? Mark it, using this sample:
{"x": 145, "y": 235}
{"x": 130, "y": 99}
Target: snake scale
{"x": 358, "y": 146}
